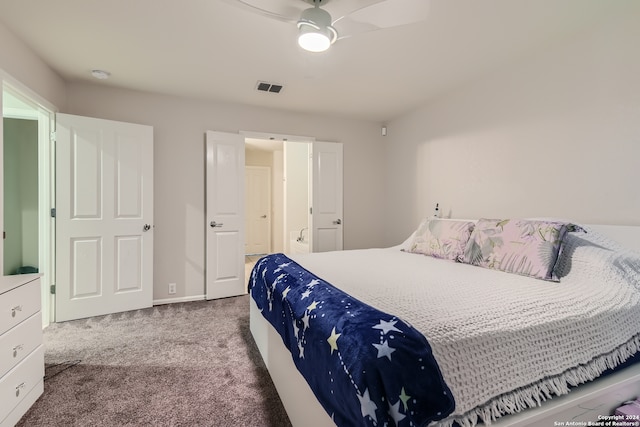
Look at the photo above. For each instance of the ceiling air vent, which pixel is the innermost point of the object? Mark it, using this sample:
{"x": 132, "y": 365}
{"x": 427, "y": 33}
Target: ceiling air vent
{"x": 268, "y": 87}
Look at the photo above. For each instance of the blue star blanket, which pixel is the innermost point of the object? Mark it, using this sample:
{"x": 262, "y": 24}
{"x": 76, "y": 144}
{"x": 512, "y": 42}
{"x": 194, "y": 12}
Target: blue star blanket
{"x": 366, "y": 367}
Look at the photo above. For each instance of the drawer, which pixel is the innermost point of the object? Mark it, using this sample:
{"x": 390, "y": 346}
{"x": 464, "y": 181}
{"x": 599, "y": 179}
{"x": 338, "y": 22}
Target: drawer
{"x": 16, "y": 414}
{"x": 18, "y": 342}
{"x": 20, "y": 380}
{"x": 19, "y": 304}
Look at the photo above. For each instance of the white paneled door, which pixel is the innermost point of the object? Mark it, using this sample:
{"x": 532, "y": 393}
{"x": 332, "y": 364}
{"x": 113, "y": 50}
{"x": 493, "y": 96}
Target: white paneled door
{"x": 225, "y": 215}
{"x": 326, "y": 189}
{"x": 104, "y": 217}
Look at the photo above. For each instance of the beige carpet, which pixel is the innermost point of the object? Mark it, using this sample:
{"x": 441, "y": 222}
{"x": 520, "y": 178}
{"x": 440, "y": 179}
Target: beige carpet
{"x": 188, "y": 364}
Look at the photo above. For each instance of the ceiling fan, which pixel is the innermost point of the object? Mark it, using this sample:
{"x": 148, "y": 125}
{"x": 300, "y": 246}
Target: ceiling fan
{"x": 326, "y": 21}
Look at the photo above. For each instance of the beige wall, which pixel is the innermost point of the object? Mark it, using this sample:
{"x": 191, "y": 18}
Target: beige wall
{"x": 19, "y": 62}
{"x": 258, "y": 158}
{"x": 179, "y": 164}
{"x": 555, "y": 135}
{"x": 297, "y": 179}
{"x": 277, "y": 207}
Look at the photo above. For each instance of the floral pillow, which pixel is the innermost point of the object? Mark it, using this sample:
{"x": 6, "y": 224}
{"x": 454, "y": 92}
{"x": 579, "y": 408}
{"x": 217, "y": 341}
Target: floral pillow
{"x": 441, "y": 238}
{"x": 526, "y": 247}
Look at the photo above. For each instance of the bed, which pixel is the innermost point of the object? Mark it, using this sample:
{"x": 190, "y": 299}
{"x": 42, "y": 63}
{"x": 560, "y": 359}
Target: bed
{"x": 508, "y": 348}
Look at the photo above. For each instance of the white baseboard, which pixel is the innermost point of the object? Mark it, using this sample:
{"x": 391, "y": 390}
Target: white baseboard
{"x": 179, "y": 299}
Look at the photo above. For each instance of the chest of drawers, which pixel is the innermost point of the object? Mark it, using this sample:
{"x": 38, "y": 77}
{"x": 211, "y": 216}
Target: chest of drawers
{"x": 21, "y": 351}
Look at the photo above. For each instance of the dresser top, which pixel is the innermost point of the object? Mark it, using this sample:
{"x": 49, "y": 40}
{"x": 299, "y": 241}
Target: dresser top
{"x": 8, "y": 283}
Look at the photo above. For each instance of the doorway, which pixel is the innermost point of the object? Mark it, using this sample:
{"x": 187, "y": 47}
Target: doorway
{"x": 225, "y": 204}
{"x": 288, "y": 216}
{"x": 27, "y": 192}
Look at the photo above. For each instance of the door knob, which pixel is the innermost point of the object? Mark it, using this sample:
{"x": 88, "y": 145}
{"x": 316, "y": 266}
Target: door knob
{"x": 146, "y": 227}
{"x": 337, "y": 221}
{"x": 263, "y": 216}
{"x": 215, "y": 224}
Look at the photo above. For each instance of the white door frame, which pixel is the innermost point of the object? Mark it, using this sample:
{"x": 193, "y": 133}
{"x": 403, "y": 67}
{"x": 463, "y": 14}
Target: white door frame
{"x": 44, "y": 112}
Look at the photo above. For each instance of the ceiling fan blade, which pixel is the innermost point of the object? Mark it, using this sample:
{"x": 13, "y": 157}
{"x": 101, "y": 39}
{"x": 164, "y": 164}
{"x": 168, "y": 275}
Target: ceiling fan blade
{"x": 282, "y": 10}
{"x": 382, "y": 14}
{"x": 342, "y": 8}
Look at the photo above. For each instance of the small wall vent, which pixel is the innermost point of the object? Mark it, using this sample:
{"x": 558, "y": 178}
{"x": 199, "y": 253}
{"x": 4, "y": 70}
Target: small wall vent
{"x": 269, "y": 87}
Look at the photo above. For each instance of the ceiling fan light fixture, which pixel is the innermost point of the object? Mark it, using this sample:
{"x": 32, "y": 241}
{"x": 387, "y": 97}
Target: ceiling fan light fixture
{"x": 313, "y": 40}
{"x": 315, "y": 31}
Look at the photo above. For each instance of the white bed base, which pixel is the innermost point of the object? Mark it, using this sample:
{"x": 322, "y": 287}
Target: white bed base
{"x": 298, "y": 399}
{"x": 586, "y": 403}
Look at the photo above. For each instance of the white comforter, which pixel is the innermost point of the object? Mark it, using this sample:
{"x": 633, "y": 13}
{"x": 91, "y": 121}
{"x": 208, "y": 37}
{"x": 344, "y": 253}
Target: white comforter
{"x": 504, "y": 342}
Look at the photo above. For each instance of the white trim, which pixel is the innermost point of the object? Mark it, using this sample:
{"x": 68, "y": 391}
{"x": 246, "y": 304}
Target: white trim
{"x": 17, "y": 113}
{"x": 276, "y": 136}
{"x": 25, "y": 92}
{"x": 179, "y": 299}
{"x": 46, "y": 201}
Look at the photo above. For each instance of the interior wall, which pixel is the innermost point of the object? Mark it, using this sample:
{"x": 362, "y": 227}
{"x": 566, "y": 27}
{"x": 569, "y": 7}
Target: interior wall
{"x": 19, "y": 62}
{"x": 297, "y": 191}
{"x": 554, "y": 135}
{"x": 29, "y": 192}
{"x": 11, "y": 203}
{"x": 258, "y": 158}
{"x": 277, "y": 199}
{"x": 179, "y": 164}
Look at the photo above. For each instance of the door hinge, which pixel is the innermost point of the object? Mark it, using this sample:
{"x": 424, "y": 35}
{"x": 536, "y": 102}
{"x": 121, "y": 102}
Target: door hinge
{"x": 52, "y": 289}
{"x": 52, "y": 136}
{"x": 53, "y": 212}
{"x": 311, "y": 211}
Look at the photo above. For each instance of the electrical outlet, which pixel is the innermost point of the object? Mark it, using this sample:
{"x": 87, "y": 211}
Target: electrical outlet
{"x": 172, "y": 288}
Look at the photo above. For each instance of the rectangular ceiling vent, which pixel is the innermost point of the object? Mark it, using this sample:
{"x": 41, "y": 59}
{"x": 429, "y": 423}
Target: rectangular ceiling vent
{"x": 268, "y": 87}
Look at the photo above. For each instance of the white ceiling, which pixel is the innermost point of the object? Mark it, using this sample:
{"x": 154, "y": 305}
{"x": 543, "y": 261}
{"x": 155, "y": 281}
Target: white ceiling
{"x": 212, "y": 50}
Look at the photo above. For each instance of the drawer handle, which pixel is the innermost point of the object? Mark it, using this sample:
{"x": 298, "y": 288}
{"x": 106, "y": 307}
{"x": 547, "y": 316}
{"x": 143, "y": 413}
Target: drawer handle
{"x": 16, "y": 349}
{"x": 14, "y": 309}
{"x": 18, "y": 388}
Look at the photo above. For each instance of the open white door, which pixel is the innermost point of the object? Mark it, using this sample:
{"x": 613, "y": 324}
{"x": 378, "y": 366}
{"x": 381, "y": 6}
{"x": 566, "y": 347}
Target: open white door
{"x": 225, "y": 215}
{"x": 326, "y": 214}
{"x": 104, "y": 217}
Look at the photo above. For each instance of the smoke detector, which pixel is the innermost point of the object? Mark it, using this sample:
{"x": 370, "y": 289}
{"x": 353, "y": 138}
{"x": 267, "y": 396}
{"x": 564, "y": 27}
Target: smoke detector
{"x": 100, "y": 74}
